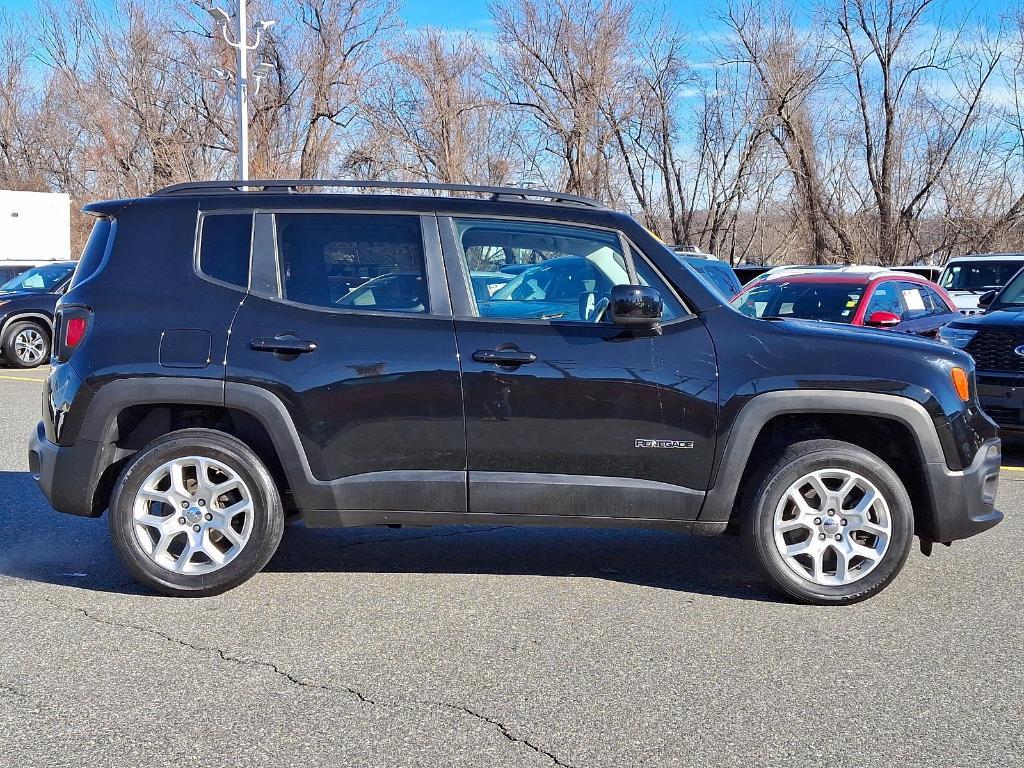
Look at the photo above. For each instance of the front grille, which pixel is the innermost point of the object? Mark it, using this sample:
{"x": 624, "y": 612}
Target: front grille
{"x": 1005, "y": 417}
{"x": 993, "y": 350}
{"x": 1000, "y": 381}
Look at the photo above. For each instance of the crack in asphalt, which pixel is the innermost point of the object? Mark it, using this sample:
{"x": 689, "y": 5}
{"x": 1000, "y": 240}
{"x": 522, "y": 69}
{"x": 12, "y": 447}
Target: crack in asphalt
{"x": 502, "y": 729}
{"x": 446, "y": 535}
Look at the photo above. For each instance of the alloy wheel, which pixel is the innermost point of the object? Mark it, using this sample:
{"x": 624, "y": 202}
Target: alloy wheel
{"x": 30, "y": 346}
{"x": 193, "y": 515}
{"x": 832, "y": 527}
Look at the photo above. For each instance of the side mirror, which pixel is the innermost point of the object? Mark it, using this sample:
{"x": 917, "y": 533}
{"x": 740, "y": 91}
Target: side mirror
{"x": 635, "y": 306}
{"x": 883, "y": 319}
{"x": 987, "y": 298}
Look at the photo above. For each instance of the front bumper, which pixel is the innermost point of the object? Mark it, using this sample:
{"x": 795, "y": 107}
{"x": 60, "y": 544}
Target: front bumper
{"x": 964, "y": 501}
{"x": 69, "y": 476}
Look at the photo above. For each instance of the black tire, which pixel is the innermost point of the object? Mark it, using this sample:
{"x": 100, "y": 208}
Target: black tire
{"x": 10, "y": 353}
{"x": 774, "y": 480}
{"x": 268, "y": 515}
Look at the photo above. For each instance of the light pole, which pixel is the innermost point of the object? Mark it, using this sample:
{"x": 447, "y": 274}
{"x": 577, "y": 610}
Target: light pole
{"x": 241, "y": 45}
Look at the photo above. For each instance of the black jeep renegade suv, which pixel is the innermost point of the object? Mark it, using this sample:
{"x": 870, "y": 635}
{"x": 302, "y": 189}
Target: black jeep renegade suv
{"x": 225, "y": 356}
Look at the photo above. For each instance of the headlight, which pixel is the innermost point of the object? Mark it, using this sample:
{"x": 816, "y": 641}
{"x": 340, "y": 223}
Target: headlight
{"x": 956, "y": 337}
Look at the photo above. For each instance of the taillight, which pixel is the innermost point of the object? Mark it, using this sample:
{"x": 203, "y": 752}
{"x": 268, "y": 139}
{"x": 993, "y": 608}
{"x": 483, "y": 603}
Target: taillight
{"x": 72, "y": 325}
{"x": 74, "y": 332}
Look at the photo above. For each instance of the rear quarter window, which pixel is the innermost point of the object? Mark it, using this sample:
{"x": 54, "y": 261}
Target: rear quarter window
{"x": 95, "y": 249}
{"x": 225, "y": 241}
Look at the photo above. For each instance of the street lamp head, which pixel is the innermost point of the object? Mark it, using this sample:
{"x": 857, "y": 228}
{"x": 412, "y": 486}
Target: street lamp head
{"x": 263, "y": 69}
{"x": 219, "y": 15}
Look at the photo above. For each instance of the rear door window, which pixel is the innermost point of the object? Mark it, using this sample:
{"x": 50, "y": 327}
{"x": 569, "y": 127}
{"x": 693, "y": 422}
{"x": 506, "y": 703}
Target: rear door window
{"x": 916, "y": 301}
{"x": 361, "y": 262}
{"x": 224, "y": 246}
{"x": 938, "y": 304}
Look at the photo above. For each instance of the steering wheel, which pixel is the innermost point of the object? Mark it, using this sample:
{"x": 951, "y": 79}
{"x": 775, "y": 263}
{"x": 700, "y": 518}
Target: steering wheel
{"x": 599, "y": 309}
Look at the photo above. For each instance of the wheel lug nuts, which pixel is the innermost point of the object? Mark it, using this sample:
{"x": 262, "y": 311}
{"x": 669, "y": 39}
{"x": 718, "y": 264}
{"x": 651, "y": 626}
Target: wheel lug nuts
{"x": 184, "y": 505}
{"x": 817, "y": 521}
{"x": 821, "y": 535}
{"x": 181, "y": 521}
{"x": 196, "y": 528}
{"x": 831, "y": 512}
{"x": 839, "y": 537}
{"x": 209, "y": 516}
{"x": 202, "y": 502}
{"x": 843, "y": 521}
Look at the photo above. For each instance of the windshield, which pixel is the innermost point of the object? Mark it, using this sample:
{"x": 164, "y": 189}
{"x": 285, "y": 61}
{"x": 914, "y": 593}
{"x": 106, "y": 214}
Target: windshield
{"x": 832, "y": 302}
{"x": 716, "y": 274}
{"x": 978, "y": 276}
{"x": 1013, "y": 294}
{"x": 40, "y": 279}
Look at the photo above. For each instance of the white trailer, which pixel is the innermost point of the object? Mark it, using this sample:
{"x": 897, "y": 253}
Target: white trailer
{"x": 34, "y": 226}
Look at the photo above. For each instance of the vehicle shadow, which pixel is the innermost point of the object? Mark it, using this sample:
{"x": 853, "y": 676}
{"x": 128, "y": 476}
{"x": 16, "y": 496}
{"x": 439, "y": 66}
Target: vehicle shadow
{"x": 44, "y": 546}
{"x": 658, "y": 559}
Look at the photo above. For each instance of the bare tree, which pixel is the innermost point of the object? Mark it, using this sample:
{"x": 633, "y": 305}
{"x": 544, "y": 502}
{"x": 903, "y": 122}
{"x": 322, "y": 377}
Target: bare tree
{"x": 866, "y": 130}
{"x": 790, "y": 66}
{"x": 560, "y": 61}
{"x": 434, "y": 114}
{"x": 335, "y": 54}
{"x": 919, "y": 92}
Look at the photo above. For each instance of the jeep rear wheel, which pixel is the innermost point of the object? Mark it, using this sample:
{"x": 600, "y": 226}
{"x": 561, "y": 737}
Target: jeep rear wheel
{"x": 829, "y": 522}
{"x": 195, "y": 513}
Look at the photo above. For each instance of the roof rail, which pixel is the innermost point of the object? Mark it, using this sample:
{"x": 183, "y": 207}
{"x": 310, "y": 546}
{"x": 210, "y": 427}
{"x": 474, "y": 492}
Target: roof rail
{"x": 278, "y": 186}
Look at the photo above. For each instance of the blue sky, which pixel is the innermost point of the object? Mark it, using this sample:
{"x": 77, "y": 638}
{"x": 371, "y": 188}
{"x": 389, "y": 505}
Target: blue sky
{"x": 696, "y": 15}
{"x": 693, "y": 13}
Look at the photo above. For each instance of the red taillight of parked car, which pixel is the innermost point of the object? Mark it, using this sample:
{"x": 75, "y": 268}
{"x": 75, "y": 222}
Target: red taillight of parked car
{"x": 74, "y": 332}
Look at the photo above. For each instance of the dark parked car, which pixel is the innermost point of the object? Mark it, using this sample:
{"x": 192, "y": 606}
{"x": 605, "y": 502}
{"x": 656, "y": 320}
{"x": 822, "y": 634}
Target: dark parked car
{"x": 605, "y": 385}
{"x": 748, "y": 272}
{"x": 11, "y": 269}
{"x": 995, "y": 339}
{"x": 26, "y": 313}
{"x": 928, "y": 272}
{"x": 858, "y": 296}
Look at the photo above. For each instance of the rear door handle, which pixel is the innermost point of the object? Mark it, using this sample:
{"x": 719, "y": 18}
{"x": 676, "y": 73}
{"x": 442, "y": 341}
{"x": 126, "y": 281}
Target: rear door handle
{"x": 504, "y": 356}
{"x": 282, "y": 345}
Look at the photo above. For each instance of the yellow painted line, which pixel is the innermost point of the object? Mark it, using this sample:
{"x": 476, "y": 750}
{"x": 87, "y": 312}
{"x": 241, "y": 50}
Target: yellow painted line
{"x": 1015, "y": 469}
{"x": 22, "y": 378}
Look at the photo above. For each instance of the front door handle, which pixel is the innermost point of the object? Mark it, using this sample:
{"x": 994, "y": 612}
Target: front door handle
{"x": 282, "y": 345}
{"x": 504, "y": 356}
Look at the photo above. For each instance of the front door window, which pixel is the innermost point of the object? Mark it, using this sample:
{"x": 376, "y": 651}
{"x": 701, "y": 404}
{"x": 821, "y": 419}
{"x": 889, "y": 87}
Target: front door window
{"x": 546, "y": 271}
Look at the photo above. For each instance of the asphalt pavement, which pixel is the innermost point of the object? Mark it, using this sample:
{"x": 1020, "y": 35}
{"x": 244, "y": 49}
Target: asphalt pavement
{"x": 495, "y": 647}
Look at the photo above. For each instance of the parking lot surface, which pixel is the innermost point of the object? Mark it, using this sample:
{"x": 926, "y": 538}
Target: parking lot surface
{"x": 495, "y": 647}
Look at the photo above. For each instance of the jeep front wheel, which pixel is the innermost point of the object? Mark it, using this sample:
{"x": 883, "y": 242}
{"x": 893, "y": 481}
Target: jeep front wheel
{"x": 195, "y": 513}
{"x": 829, "y": 522}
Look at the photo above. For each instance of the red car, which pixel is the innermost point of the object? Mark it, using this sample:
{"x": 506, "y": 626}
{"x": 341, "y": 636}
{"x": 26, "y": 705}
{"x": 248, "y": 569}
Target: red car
{"x": 872, "y": 296}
